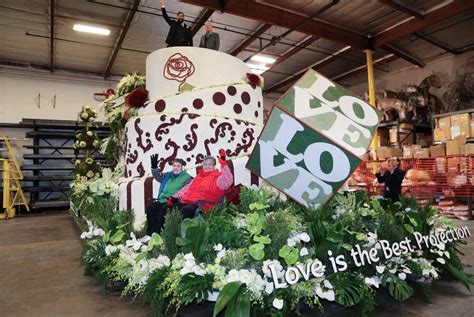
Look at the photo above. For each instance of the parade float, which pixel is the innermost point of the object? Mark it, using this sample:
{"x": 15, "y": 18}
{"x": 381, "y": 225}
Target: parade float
{"x": 284, "y": 240}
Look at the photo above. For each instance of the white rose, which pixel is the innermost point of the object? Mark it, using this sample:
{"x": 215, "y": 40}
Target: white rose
{"x": 269, "y": 287}
{"x": 233, "y": 275}
{"x": 380, "y": 269}
{"x": 304, "y": 251}
{"x": 278, "y": 303}
{"x": 291, "y": 242}
{"x": 402, "y": 276}
{"x": 218, "y": 247}
{"x": 305, "y": 237}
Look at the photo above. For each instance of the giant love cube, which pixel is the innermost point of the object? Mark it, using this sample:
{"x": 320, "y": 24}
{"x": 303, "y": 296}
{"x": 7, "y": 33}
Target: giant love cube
{"x": 316, "y": 136}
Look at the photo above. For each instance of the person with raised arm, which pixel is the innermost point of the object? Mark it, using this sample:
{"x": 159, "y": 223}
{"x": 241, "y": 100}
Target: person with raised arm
{"x": 179, "y": 33}
{"x": 392, "y": 178}
{"x": 170, "y": 183}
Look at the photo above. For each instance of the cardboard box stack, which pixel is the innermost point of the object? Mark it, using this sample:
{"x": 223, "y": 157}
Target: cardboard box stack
{"x": 385, "y": 152}
{"x": 442, "y": 131}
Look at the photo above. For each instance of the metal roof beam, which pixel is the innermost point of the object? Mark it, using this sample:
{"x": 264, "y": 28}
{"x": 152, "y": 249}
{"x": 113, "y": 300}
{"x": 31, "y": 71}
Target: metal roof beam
{"x": 414, "y": 25}
{"x": 362, "y": 69}
{"x": 274, "y": 16}
{"x": 436, "y": 43}
{"x": 404, "y": 55}
{"x": 203, "y": 17}
{"x": 259, "y": 31}
{"x": 295, "y": 50}
{"x": 402, "y": 8}
{"x": 123, "y": 33}
{"x": 320, "y": 63}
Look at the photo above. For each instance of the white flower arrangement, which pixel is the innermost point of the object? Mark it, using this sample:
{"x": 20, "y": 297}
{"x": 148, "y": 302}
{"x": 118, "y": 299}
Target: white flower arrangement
{"x": 93, "y": 231}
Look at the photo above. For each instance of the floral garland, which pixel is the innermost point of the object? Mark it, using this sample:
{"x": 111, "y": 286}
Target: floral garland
{"x": 87, "y": 114}
{"x": 118, "y": 109}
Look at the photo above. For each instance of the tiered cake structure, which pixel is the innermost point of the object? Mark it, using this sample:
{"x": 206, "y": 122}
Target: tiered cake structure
{"x": 200, "y": 101}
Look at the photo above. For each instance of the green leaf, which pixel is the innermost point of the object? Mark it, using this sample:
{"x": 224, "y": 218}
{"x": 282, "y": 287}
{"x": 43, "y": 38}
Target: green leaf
{"x": 258, "y": 206}
{"x": 107, "y": 236}
{"x": 242, "y": 304}
{"x": 290, "y": 254}
{"x": 284, "y": 251}
{"x": 182, "y": 241}
{"x": 140, "y": 256}
{"x": 361, "y": 236}
{"x": 155, "y": 241}
{"x": 225, "y": 296}
{"x": 399, "y": 289}
{"x": 117, "y": 237}
{"x": 413, "y": 221}
{"x": 186, "y": 87}
{"x": 262, "y": 239}
{"x": 408, "y": 228}
{"x": 256, "y": 251}
{"x": 347, "y": 246}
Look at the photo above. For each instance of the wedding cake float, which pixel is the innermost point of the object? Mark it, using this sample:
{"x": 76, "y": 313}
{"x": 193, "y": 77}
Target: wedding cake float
{"x": 200, "y": 101}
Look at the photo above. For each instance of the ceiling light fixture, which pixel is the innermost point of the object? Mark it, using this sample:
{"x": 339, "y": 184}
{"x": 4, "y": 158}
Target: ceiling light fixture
{"x": 91, "y": 29}
{"x": 263, "y": 59}
{"x": 257, "y": 69}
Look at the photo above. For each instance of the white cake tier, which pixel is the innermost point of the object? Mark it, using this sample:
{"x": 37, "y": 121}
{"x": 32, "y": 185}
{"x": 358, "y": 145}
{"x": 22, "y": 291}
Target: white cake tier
{"x": 174, "y": 69}
{"x": 187, "y": 136}
{"x": 137, "y": 194}
{"x": 240, "y": 101}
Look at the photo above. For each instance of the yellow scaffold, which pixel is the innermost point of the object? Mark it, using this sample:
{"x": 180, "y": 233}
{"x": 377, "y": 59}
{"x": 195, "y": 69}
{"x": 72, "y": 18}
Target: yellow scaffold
{"x": 12, "y": 193}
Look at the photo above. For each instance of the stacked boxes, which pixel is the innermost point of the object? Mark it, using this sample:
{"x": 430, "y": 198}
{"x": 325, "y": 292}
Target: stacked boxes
{"x": 451, "y": 127}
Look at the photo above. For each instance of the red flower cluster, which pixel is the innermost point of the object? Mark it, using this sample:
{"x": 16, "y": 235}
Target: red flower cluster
{"x": 233, "y": 195}
{"x": 254, "y": 79}
{"x": 137, "y": 98}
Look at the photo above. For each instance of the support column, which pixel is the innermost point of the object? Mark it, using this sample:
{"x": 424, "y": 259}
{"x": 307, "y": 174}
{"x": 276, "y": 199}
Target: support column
{"x": 371, "y": 86}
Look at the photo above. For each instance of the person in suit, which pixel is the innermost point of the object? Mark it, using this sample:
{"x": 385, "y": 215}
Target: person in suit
{"x": 179, "y": 33}
{"x": 210, "y": 39}
{"x": 392, "y": 178}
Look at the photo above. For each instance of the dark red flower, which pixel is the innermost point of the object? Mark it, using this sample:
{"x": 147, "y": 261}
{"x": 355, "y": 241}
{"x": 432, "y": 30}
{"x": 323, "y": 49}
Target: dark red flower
{"x": 254, "y": 79}
{"x": 233, "y": 195}
{"x": 137, "y": 98}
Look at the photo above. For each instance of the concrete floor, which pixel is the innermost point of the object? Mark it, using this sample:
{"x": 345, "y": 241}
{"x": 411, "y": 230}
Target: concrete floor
{"x": 42, "y": 276}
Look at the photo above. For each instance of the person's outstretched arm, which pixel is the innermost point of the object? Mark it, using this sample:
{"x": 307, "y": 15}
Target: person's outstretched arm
{"x": 226, "y": 179}
{"x": 165, "y": 14}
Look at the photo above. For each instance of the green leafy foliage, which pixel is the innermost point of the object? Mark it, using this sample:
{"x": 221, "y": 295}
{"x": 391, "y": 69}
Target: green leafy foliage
{"x": 222, "y": 230}
{"x": 192, "y": 288}
{"x": 279, "y": 225}
{"x": 153, "y": 294}
{"x": 194, "y": 237}
{"x": 289, "y": 254}
{"x": 348, "y": 288}
{"x": 171, "y": 230}
{"x": 235, "y": 299}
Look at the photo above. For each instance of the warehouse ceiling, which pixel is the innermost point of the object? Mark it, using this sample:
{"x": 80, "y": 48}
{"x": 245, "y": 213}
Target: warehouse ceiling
{"x": 328, "y": 36}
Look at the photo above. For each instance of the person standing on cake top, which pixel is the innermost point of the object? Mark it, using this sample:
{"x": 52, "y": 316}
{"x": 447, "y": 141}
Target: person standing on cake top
{"x": 392, "y": 178}
{"x": 210, "y": 40}
{"x": 179, "y": 33}
{"x": 170, "y": 184}
{"x": 206, "y": 190}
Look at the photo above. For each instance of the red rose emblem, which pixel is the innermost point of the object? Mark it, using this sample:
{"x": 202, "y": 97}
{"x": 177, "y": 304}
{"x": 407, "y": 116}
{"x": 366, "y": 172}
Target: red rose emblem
{"x": 137, "y": 98}
{"x": 178, "y": 67}
{"x": 254, "y": 79}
